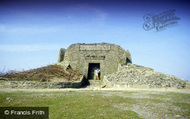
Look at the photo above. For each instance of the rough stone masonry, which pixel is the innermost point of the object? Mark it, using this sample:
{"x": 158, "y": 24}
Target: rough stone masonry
{"x": 115, "y": 65}
{"x": 87, "y": 57}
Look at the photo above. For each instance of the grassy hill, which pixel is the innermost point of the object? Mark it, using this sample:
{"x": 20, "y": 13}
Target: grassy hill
{"x": 50, "y": 73}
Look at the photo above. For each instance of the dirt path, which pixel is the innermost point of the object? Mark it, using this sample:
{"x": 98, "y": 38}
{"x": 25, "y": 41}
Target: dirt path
{"x": 99, "y": 89}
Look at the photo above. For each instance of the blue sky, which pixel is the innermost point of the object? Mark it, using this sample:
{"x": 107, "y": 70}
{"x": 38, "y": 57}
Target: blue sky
{"x": 33, "y": 31}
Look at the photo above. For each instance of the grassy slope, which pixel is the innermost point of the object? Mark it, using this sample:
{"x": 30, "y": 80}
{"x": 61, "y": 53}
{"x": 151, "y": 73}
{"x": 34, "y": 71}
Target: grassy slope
{"x": 48, "y": 73}
{"x": 102, "y": 104}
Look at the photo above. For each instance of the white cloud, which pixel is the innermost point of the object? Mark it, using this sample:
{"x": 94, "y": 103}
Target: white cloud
{"x": 97, "y": 14}
{"x": 100, "y": 15}
{"x": 27, "y": 30}
{"x": 29, "y": 48}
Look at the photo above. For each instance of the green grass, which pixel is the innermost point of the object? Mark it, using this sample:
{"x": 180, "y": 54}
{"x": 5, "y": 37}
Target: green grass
{"x": 94, "y": 104}
{"x": 183, "y": 101}
{"x": 70, "y": 104}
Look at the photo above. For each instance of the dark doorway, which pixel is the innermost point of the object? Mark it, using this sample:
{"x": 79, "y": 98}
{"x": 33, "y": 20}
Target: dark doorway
{"x": 91, "y": 68}
{"x": 128, "y": 60}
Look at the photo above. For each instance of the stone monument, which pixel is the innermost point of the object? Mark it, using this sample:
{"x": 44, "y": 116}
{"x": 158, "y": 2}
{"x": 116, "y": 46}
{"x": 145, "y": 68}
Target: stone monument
{"x": 87, "y": 57}
{"x": 115, "y": 64}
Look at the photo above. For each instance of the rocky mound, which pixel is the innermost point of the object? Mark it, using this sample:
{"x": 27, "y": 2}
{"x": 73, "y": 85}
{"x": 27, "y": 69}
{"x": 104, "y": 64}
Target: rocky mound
{"x": 51, "y": 73}
{"x": 132, "y": 75}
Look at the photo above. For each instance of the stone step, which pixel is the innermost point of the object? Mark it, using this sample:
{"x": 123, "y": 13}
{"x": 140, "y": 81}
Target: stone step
{"x": 95, "y": 83}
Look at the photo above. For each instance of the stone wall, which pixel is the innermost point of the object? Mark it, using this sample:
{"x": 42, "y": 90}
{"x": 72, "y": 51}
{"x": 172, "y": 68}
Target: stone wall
{"x": 131, "y": 75}
{"x": 36, "y": 84}
{"x": 61, "y": 54}
{"x": 78, "y": 57}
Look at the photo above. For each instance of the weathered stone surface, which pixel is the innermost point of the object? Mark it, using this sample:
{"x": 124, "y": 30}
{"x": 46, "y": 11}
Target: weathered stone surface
{"x": 110, "y": 57}
{"x": 37, "y": 84}
{"x": 132, "y": 75}
{"x": 79, "y": 56}
{"x": 61, "y": 54}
